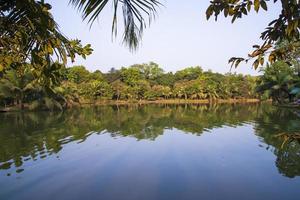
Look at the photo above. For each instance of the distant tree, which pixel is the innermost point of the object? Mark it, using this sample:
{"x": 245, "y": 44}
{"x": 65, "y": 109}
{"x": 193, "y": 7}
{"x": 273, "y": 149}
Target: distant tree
{"x": 96, "y": 75}
{"x": 119, "y": 90}
{"x": 131, "y": 75}
{"x": 143, "y": 87}
{"x": 150, "y": 70}
{"x": 112, "y": 75}
{"x": 186, "y": 89}
{"x": 210, "y": 86}
{"x": 78, "y": 74}
{"x": 166, "y": 79}
{"x": 189, "y": 73}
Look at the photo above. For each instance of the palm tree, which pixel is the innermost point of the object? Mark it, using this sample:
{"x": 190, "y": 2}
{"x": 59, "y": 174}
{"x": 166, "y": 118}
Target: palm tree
{"x": 21, "y": 86}
{"x": 279, "y": 80}
{"x": 16, "y": 87}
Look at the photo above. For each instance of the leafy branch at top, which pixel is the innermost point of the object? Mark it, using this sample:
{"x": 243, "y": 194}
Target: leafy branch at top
{"x": 285, "y": 27}
{"x": 29, "y": 34}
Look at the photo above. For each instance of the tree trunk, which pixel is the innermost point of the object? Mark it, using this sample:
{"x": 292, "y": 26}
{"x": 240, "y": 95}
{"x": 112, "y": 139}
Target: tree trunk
{"x": 21, "y": 104}
{"x": 21, "y": 101}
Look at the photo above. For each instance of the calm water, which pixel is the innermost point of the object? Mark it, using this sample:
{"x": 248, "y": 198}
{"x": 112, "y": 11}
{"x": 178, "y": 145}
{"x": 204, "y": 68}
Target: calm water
{"x": 150, "y": 153}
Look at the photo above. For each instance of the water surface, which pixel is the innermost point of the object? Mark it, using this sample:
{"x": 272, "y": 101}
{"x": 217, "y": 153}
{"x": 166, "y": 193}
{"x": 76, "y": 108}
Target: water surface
{"x": 150, "y": 152}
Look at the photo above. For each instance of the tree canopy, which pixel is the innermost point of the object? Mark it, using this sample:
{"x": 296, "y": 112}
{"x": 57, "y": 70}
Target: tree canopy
{"x": 29, "y": 34}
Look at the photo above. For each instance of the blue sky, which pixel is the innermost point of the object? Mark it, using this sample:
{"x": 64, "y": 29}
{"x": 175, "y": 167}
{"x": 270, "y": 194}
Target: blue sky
{"x": 179, "y": 37}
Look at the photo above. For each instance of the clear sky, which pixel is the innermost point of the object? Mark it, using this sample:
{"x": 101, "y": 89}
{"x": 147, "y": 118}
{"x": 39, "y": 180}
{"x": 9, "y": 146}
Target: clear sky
{"x": 179, "y": 37}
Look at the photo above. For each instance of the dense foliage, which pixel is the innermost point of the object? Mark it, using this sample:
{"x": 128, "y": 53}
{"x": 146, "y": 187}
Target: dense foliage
{"x": 33, "y": 51}
{"x": 281, "y": 80}
{"x": 29, "y": 34}
{"x": 137, "y": 82}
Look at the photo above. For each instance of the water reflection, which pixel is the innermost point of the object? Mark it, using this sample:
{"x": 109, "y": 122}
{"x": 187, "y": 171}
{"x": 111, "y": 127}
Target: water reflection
{"x": 35, "y": 136}
{"x": 279, "y": 128}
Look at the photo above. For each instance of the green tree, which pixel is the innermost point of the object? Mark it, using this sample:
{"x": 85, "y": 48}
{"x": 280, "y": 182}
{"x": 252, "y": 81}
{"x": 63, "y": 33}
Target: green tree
{"x": 278, "y": 79}
{"x": 96, "y": 75}
{"x": 119, "y": 90}
{"x": 78, "y": 74}
{"x": 150, "y": 71}
{"x": 112, "y": 75}
{"x": 159, "y": 91}
{"x": 166, "y": 79}
{"x": 189, "y": 73}
{"x": 186, "y": 89}
{"x": 131, "y": 75}
{"x": 15, "y": 87}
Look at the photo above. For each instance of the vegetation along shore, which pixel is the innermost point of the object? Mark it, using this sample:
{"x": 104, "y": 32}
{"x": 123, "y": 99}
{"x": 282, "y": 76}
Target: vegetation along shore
{"x": 140, "y": 83}
{"x": 144, "y": 83}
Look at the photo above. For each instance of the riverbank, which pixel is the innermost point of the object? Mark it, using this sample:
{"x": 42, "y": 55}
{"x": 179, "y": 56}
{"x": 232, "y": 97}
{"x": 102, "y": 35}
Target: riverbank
{"x": 171, "y": 101}
{"x": 288, "y": 105}
{"x": 86, "y": 103}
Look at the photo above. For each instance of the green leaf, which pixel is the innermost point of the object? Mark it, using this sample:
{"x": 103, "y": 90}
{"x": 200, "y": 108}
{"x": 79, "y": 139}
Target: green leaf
{"x": 226, "y": 11}
{"x": 264, "y": 5}
{"x": 209, "y": 12}
{"x": 249, "y": 6}
{"x": 244, "y": 11}
{"x": 256, "y": 5}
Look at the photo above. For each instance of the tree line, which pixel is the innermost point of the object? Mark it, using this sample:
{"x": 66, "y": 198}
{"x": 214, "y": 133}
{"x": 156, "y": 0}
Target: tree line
{"x": 137, "y": 82}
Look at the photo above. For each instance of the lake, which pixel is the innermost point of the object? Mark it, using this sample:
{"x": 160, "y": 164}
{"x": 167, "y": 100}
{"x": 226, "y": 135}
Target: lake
{"x": 151, "y": 152}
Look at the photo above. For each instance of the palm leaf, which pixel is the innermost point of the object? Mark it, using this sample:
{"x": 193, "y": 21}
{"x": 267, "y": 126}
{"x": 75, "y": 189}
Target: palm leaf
{"x": 134, "y": 14}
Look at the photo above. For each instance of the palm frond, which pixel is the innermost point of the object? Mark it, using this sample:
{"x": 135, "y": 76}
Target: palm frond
{"x": 134, "y": 14}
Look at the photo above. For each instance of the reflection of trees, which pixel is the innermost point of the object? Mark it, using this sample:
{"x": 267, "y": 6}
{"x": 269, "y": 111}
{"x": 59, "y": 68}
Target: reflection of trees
{"x": 148, "y": 122}
{"x": 26, "y": 136}
{"x": 270, "y": 127}
{"x": 288, "y": 159}
{"x": 32, "y": 136}
{"x": 196, "y": 119}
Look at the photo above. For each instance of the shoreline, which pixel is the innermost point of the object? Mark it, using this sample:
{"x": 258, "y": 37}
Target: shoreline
{"x": 170, "y": 101}
{"x": 143, "y": 102}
